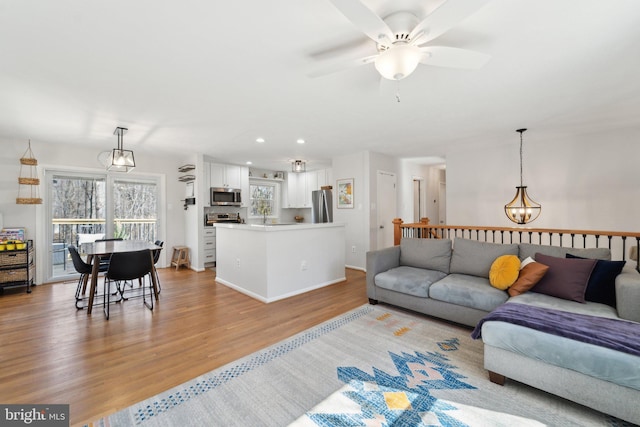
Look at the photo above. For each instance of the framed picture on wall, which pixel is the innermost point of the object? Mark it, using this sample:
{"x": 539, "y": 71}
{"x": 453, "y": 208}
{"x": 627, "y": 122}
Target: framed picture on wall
{"x": 345, "y": 193}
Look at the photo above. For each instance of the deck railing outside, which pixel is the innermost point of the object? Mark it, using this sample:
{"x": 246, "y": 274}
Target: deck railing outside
{"x": 620, "y": 243}
{"x": 67, "y": 231}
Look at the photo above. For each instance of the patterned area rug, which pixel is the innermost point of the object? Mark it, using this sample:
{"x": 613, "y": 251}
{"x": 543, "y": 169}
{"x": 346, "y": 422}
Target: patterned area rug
{"x": 374, "y": 366}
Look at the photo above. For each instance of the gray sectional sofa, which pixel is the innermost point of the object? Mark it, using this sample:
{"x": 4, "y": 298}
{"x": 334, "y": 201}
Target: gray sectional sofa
{"x": 450, "y": 280}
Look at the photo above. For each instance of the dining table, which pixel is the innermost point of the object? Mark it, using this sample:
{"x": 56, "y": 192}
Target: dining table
{"x": 97, "y": 250}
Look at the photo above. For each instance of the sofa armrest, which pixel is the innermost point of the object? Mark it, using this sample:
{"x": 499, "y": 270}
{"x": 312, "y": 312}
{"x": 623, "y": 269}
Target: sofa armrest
{"x": 379, "y": 261}
{"x": 628, "y": 294}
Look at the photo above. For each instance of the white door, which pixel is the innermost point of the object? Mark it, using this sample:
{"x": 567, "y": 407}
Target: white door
{"x": 442, "y": 203}
{"x": 417, "y": 200}
{"x": 386, "y": 203}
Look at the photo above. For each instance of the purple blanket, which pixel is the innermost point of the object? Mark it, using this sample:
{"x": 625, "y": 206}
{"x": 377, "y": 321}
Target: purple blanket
{"x": 616, "y": 334}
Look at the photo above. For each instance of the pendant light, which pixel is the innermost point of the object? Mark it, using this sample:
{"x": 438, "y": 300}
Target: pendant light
{"x": 522, "y": 209}
{"x": 298, "y": 166}
{"x": 121, "y": 160}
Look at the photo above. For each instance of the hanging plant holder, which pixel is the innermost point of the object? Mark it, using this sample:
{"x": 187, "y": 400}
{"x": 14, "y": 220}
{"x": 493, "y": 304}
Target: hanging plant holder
{"x": 29, "y": 183}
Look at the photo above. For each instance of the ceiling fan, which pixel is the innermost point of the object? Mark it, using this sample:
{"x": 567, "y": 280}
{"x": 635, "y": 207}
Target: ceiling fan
{"x": 403, "y": 41}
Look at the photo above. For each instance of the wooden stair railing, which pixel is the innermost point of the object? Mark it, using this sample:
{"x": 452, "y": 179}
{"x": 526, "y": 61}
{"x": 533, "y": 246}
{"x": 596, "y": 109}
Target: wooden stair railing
{"x": 616, "y": 241}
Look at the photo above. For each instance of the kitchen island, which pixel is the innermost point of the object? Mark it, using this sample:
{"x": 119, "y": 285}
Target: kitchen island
{"x": 275, "y": 261}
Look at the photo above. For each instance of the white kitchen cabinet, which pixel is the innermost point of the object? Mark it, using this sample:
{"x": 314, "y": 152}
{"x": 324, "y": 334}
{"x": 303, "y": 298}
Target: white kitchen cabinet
{"x": 294, "y": 196}
{"x": 209, "y": 246}
{"x": 233, "y": 175}
{"x": 227, "y": 176}
{"x": 296, "y": 188}
{"x": 297, "y": 192}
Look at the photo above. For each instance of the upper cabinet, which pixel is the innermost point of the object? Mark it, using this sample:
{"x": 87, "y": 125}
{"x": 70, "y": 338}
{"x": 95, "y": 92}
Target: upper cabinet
{"x": 227, "y": 175}
{"x": 297, "y": 191}
{"x": 230, "y": 176}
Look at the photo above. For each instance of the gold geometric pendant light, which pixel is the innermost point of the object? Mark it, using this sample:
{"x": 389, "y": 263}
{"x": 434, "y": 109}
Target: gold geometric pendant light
{"x": 522, "y": 209}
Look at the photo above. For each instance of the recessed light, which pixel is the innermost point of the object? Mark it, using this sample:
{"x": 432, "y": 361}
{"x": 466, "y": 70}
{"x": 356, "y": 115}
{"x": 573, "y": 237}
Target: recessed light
{"x": 249, "y": 162}
{"x": 300, "y": 141}
{"x": 259, "y": 140}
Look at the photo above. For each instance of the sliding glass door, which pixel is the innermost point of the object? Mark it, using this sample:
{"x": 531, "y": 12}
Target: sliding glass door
{"x": 135, "y": 209}
{"x": 83, "y": 207}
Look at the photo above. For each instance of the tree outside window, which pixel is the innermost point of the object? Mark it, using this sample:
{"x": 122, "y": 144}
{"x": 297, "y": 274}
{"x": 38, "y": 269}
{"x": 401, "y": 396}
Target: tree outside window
{"x": 263, "y": 201}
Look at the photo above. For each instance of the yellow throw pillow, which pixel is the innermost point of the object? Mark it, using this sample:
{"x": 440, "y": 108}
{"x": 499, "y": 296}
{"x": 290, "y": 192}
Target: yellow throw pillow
{"x": 504, "y": 271}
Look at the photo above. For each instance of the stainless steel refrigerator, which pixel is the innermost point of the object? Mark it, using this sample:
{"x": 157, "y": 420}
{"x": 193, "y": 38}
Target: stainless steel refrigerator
{"x": 321, "y": 206}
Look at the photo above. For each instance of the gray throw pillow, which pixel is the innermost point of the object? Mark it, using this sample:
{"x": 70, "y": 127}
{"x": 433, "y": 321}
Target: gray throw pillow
{"x": 475, "y": 258}
{"x": 432, "y": 254}
{"x": 530, "y": 250}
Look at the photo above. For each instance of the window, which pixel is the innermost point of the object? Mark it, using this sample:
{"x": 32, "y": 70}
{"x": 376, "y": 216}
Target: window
{"x": 263, "y": 200}
{"x": 135, "y": 209}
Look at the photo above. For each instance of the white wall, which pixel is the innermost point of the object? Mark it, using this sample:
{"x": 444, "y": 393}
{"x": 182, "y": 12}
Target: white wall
{"x": 379, "y": 162}
{"x": 356, "y": 220}
{"x": 77, "y": 157}
{"x": 193, "y": 217}
{"x": 581, "y": 181}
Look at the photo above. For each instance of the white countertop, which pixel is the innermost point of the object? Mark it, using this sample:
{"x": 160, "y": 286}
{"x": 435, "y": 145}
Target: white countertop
{"x": 279, "y": 227}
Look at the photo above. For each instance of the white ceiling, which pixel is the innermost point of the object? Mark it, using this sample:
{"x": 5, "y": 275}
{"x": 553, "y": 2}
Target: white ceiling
{"x": 212, "y": 76}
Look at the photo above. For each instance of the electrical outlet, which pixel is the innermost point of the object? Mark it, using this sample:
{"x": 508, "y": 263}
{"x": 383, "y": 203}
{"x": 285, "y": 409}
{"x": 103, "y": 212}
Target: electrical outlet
{"x": 303, "y": 266}
{"x": 238, "y": 262}
{"x": 353, "y": 249}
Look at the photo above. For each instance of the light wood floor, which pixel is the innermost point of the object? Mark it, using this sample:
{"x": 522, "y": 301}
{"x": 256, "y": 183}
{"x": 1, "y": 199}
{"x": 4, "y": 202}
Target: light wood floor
{"x": 52, "y": 353}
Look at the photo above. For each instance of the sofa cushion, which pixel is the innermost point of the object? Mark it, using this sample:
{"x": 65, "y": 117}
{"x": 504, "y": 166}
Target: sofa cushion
{"x": 504, "y": 271}
{"x": 567, "y": 278}
{"x": 530, "y": 274}
{"x": 530, "y": 250}
{"x": 475, "y": 258}
{"x": 432, "y": 254}
{"x": 467, "y": 291}
{"x": 602, "y": 283}
{"x": 408, "y": 280}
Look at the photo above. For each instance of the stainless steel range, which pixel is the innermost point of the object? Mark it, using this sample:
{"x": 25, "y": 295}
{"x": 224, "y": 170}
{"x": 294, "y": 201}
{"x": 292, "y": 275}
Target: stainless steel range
{"x": 213, "y": 217}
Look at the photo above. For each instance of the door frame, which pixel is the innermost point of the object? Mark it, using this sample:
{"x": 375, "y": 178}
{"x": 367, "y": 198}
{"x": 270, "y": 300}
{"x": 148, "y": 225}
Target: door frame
{"x": 379, "y": 197}
{"x": 44, "y": 268}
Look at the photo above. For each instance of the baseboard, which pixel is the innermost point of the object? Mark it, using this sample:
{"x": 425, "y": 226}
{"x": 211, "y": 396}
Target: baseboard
{"x": 278, "y": 297}
{"x": 353, "y": 267}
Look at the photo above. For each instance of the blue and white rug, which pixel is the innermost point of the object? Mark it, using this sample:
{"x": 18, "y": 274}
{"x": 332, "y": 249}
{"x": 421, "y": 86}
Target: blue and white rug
{"x": 374, "y": 366}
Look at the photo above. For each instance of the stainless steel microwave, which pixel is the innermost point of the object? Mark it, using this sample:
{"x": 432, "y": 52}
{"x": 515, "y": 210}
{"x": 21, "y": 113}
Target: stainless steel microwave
{"x": 223, "y": 196}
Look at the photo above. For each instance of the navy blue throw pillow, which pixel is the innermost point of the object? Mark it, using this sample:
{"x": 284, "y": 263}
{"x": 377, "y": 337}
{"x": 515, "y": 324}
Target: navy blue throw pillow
{"x": 602, "y": 283}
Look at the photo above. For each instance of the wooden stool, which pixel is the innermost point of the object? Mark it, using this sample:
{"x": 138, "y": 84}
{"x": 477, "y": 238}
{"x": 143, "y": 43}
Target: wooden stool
{"x": 180, "y": 256}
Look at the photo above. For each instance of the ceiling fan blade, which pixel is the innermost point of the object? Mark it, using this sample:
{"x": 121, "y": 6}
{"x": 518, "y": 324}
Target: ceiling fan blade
{"x": 453, "y": 57}
{"x": 365, "y": 19}
{"x": 337, "y": 66}
{"x": 447, "y": 15}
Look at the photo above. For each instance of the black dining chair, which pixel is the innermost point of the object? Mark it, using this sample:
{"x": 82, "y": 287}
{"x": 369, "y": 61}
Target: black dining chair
{"x": 127, "y": 266}
{"x": 105, "y": 259}
{"x": 85, "y": 271}
{"x": 156, "y": 257}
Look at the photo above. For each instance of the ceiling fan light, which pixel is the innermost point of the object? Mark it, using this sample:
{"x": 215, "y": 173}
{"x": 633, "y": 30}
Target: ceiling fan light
{"x": 398, "y": 61}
